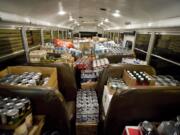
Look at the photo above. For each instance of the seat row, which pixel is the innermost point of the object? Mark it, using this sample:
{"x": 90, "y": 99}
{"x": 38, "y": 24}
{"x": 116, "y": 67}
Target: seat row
{"x": 127, "y": 107}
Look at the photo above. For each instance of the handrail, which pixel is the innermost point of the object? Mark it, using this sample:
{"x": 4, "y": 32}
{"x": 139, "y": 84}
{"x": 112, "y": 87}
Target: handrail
{"x": 4, "y": 57}
{"x": 34, "y": 47}
{"x": 140, "y": 50}
{"x": 168, "y": 60}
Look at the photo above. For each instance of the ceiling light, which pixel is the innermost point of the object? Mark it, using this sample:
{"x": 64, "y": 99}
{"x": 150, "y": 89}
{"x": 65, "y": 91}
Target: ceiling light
{"x": 150, "y": 24}
{"x": 48, "y": 24}
{"x": 106, "y": 20}
{"x": 116, "y": 13}
{"x": 27, "y": 20}
{"x": 61, "y": 13}
{"x": 101, "y": 23}
{"x": 77, "y": 23}
{"x": 70, "y": 18}
{"x": 61, "y": 10}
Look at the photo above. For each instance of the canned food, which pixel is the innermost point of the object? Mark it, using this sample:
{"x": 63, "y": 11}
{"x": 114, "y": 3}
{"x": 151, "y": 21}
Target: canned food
{"x": 9, "y": 105}
{"x": 6, "y": 100}
{"x": 32, "y": 82}
{"x": 21, "y": 107}
{"x": 27, "y": 103}
{"x": 12, "y": 116}
{"x": 147, "y": 128}
{"x": 3, "y": 118}
{"x": 14, "y": 100}
{"x": 1, "y": 104}
{"x": 39, "y": 73}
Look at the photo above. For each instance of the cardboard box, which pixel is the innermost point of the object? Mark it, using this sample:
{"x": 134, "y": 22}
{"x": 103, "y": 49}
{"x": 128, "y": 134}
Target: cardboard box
{"x": 47, "y": 71}
{"x": 37, "y": 55}
{"x": 106, "y": 99}
{"x": 132, "y": 82}
{"x": 84, "y": 46}
{"x": 38, "y": 124}
{"x": 88, "y": 85}
{"x": 86, "y": 128}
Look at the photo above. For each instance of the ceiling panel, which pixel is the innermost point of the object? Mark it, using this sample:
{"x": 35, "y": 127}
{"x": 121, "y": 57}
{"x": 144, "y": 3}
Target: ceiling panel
{"x": 134, "y": 11}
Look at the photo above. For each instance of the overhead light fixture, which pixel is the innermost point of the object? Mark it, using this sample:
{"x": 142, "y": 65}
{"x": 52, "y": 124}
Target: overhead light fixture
{"x": 27, "y": 20}
{"x": 48, "y": 24}
{"x": 116, "y": 13}
{"x": 149, "y": 24}
{"x": 61, "y": 13}
{"x": 61, "y": 10}
{"x": 106, "y": 20}
{"x": 101, "y": 23}
{"x": 70, "y": 18}
{"x": 77, "y": 23}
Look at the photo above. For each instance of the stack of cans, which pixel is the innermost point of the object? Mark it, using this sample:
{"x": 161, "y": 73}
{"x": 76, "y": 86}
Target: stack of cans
{"x": 75, "y": 52}
{"x": 25, "y": 79}
{"x": 87, "y": 107}
{"x": 83, "y": 63}
{"x": 166, "y": 80}
{"x": 88, "y": 75}
{"x": 12, "y": 109}
{"x": 141, "y": 77}
{"x": 100, "y": 63}
{"x": 116, "y": 84}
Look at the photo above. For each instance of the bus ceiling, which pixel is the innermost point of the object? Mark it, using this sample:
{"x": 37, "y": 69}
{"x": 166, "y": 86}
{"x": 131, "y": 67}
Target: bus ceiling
{"x": 90, "y": 14}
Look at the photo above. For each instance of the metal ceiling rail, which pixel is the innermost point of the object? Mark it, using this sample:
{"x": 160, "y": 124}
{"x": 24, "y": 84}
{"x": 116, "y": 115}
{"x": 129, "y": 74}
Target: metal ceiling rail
{"x": 162, "y": 58}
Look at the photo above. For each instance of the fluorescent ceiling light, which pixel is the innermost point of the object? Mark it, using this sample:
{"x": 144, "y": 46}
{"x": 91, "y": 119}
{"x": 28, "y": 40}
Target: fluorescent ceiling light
{"x": 48, "y": 23}
{"x": 77, "y": 23}
{"x": 149, "y": 24}
{"x": 116, "y": 13}
{"x": 61, "y": 10}
{"x": 61, "y": 13}
{"x": 106, "y": 20}
{"x": 27, "y": 20}
{"x": 70, "y": 18}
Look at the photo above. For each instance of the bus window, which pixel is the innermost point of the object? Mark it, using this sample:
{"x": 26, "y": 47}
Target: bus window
{"x": 141, "y": 45}
{"x": 142, "y": 41}
{"x": 33, "y": 37}
{"x": 168, "y": 46}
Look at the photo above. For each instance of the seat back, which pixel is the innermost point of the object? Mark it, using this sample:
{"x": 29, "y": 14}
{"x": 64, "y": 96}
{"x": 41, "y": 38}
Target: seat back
{"x": 45, "y": 102}
{"x": 116, "y": 70}
{"x": 133, "y": 106}
{"x": 116, "y": 58}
